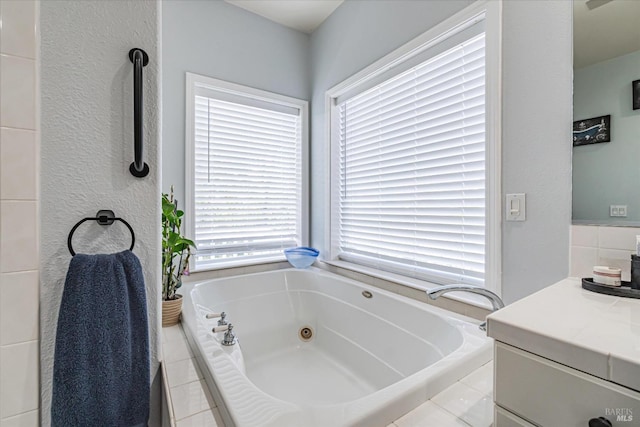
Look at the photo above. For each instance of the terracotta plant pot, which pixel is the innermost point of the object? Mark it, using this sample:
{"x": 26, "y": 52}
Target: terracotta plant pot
{"x": 171, "y": 310}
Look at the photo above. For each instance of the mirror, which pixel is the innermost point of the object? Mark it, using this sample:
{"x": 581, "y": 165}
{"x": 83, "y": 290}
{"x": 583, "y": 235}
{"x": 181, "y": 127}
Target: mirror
{"x": 606, "y": 137}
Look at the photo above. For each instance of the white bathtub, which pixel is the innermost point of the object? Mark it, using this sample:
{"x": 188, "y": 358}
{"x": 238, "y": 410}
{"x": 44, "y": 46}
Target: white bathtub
{"x": 370, "y": 360}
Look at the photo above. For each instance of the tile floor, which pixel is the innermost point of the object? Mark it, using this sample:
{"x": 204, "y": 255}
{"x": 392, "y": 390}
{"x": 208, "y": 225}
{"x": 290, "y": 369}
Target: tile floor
{"x": 468, "y": 402}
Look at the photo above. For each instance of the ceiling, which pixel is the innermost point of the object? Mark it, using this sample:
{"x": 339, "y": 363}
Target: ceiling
{"x": 604, "y": 29}
{"x": 301, "y": 15}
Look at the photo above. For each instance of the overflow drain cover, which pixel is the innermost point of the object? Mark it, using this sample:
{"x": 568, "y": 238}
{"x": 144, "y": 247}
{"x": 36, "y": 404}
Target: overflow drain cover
{"x": 305, "y": 333}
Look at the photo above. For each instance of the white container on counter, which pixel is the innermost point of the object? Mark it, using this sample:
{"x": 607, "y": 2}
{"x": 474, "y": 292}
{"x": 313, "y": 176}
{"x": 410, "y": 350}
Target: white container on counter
{"x": 607, "y": 275}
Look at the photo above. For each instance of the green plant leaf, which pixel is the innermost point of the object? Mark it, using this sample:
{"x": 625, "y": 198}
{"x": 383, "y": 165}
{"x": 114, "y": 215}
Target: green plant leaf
{"x": 175, "y": 247}
{"x": 188, "y": 242}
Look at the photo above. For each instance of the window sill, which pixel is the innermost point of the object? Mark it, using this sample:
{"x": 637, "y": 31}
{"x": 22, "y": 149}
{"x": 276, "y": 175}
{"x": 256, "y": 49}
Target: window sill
{"x": 217, "y": 273}
{"x": 238, "y": 264}
{"x": 422, "y": 285}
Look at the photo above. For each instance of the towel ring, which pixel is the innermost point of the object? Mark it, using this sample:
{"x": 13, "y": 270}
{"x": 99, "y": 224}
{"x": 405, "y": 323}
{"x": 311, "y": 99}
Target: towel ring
{"x": 103, "y": 217}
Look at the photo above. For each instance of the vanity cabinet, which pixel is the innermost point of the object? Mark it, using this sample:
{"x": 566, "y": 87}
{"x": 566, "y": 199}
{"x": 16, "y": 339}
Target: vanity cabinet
{"x": 566, "y": 357}
{"x": 504, "y": 418}
{"x": 547, "y": 393}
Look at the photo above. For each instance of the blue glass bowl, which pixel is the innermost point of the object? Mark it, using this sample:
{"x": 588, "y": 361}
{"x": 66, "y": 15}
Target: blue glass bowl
{"x": 301, "y": 257}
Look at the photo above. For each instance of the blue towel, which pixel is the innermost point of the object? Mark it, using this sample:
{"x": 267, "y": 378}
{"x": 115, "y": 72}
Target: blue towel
{"x": 101, "y": 366}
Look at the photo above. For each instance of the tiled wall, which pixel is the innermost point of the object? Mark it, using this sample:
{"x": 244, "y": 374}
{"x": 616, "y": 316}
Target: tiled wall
{"x": 19, "y": 154}
{"x": 601, "y": 245}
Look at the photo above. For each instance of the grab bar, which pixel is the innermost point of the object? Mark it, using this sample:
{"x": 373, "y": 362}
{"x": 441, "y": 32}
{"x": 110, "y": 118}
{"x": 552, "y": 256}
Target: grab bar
{"x": 140, "y": 59}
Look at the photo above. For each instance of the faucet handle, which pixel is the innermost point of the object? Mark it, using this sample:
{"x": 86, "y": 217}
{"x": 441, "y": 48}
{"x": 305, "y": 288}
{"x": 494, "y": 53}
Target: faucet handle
{"x": 229, "y": 336}
{"x": 220, "y": 328}
{"x": 221, "y": 315}
{"x": 222, "y": 320}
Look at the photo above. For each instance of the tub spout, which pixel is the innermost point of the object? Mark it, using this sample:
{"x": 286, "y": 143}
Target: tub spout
{"x": 496, "y": 301}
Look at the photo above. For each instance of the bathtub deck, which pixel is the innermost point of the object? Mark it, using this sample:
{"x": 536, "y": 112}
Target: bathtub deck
{"x": 468, "y": 402}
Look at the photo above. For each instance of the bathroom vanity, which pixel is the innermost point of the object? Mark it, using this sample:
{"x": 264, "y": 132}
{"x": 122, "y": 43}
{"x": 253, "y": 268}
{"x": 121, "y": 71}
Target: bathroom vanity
{"x": 566, "y": 357}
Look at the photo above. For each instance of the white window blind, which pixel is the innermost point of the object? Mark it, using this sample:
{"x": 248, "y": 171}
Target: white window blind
{"x": 412, "y": 170}
{"x": 247, "y": 179}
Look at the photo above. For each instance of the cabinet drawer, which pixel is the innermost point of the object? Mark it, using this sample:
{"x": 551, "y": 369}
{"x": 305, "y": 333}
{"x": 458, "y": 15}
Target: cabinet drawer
{"x": 504, "y": 418}
{"x": 553, "y": 395}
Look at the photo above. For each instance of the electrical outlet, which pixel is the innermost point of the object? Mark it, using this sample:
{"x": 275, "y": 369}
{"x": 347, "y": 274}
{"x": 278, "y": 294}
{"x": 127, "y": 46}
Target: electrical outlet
{"x": 618, "y": 210}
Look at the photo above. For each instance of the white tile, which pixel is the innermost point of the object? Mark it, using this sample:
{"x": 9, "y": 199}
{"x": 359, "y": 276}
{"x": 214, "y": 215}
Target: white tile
{"x": 624, "y": 370}
{"x": 18, "y": 244}
{"x": 173, "y": 333}
{"x": 480, "y": 414}
{"x": 17, "y": 85}
{"x": 481, "y": 379}
{"x": 19, "y": 378}
{"x": 584, "y": 235}
{"x": 468, "y": 404}
{"x": 18, "y": 174}
{"x": 18, "y": 30}
{"x": 618, "y": 238}
{"x": 203, "y": 419}
{"x": 429, "y": 414}
{"x": 28, "y": 419}
{"x": 582, "y": 261}
{"x": 19, "y": 307}
{"x": 625, "y": 310}
{"x": 182, "y": 372}
{"x": 176, "y": 350}
{"x": 616, "y": 258}
{"x": 190, "y": 399}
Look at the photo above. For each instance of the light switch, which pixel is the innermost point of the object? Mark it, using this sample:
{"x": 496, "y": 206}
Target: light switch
{"x": 516, "y": 207}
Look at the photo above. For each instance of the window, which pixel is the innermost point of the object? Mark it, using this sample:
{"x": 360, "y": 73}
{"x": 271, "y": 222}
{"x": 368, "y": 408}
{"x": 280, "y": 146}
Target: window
{"x": 409, "y": 158}
{"x": 245, "y": 184}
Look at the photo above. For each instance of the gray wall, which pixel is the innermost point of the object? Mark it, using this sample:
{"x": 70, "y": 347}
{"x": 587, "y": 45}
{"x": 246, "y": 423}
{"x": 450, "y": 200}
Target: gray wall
{"x": 608, "y": 173}
{"x": 216, "y": 39}
{"x": 86, "y": 149}
{"x": 536, "y": 142}
{"x": 536, "y": 89}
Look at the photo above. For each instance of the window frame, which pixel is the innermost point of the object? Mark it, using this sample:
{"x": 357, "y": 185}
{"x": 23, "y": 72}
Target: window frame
{"x": 194, "y": 81}
{"x": 491, "y": 12}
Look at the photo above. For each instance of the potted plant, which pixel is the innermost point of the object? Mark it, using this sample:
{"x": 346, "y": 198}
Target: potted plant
{"x": 176, "y": 250}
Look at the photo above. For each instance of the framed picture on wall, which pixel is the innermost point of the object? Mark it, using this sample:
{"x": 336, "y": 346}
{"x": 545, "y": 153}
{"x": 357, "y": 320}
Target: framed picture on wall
{"x": 592, "y": 131}
{"x": 635, "y": 85}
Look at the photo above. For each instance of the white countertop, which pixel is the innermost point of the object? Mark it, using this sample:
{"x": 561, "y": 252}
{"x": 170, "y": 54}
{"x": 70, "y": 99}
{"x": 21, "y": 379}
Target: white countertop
{"x": 595, "y": 333}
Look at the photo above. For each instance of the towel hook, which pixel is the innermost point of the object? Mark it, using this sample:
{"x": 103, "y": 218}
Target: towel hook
{"x": 103, "y": 217}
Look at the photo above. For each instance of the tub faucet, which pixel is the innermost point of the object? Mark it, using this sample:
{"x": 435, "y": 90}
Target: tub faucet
{"x": 222, "y": 317}
{"x": 229, "y": 337}
{"x": 496, "y": 302}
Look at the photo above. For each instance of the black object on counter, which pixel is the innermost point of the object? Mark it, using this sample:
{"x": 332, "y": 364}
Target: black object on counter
{"x": 619, "y": 291}
{"x": 635, "y": 272}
